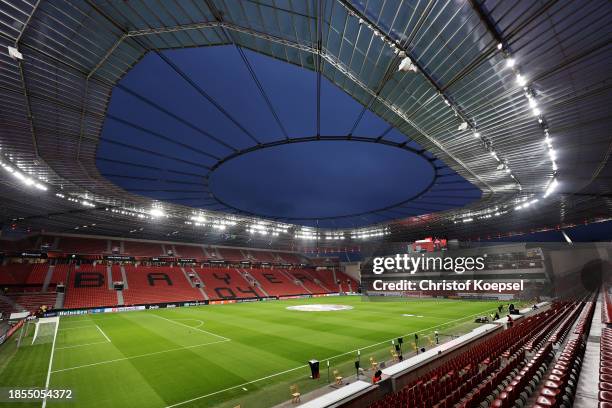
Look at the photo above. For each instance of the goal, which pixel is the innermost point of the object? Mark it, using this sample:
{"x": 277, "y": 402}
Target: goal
{"x": 46, "y": 330}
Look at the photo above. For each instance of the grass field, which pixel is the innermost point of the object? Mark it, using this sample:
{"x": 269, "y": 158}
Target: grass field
{"x": 222, "y": 355}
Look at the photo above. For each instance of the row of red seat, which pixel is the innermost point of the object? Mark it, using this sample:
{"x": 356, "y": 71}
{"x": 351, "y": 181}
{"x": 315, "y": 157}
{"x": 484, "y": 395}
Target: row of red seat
{"x": 527, "y": 379}
{"x": 586, "y": 318}
{"x": 605, "y": 368}
{"x": 158, "y": 285}
{"x": 32, "y": 274}
{"x": 485, "y": 391}
{"x": 26, "y": 302}
{"x": 86, "y": 290}
{"x": 16, "y": 274}
{"x": 606, "y": 310}
{"x": 99, "y": 246}
{"x": 559, "y": 387}
{"x": 537, "y": 341}
{"x": 509, "y": 344}
{"x": 518, "y": 387}
{"x": 89, "y": 286}
{"x": 559, "y": 334}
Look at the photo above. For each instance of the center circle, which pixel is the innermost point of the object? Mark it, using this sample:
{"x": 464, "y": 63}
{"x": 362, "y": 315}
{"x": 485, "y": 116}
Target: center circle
{"x": 319, "y": 308}
{"x": 320, "y": 179}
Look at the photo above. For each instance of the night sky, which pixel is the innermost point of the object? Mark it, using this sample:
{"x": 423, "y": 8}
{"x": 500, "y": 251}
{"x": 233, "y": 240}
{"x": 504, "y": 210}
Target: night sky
{"x": 162, "y": 135}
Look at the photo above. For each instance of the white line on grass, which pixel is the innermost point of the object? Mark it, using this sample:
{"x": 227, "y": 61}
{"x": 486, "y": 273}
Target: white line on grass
{"x": 139, "y": 356}
{"x": 194, "y": 320}
{"x": 306, "y": 365}
{"x": 77, "y": 328}
{"x": 104, "y": 334}
{"x": 44, "y": 403}
{"x": 81, "y": 345}
{"x": 190, "y": 327}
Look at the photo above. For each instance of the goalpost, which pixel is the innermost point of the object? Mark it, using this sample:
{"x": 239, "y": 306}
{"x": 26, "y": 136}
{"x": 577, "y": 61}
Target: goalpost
{"x": 46, "y": 330}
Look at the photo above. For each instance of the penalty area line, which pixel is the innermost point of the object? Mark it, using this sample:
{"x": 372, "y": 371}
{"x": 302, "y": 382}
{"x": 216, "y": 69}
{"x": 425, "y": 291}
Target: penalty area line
{"x": 191, "y": 327}
{"x": 77, "y": 328}
{"x": 81, "y": 345}
{"x": 138, "y": 356}
{"x": 104, "y": 334}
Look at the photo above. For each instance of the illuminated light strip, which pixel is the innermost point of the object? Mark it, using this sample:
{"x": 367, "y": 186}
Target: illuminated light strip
{"x": 16, "y": 172}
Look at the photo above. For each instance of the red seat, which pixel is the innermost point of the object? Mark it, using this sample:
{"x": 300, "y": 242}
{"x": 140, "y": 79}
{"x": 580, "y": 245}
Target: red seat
{"x": 605, "y": 396}
{"x": 545, "y": 401}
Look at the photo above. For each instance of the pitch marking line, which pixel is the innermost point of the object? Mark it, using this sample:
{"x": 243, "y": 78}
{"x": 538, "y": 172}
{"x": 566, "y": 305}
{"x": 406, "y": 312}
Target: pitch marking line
{"x": 104, "y": 334}
{"x": 139, "y": 356}
{"x": 77, "y": 328}
{"x": 193, "y": 320}
{"x": 190, "y": 327}
{"x": 81, "y": 345}
{"x": 306, "y": 365}
{"x": 44, "y": 403}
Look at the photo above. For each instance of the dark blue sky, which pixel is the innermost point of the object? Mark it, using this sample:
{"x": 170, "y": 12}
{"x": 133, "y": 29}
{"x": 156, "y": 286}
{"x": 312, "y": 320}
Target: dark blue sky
{"x": 162, "y": 135}
{"x": 320, "y": 179}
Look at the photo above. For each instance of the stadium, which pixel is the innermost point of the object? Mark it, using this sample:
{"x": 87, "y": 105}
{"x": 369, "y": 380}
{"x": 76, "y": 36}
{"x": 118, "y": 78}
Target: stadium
{"x": 305, "y": 203}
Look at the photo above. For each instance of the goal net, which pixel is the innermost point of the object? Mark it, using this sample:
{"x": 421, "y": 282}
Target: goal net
{"x": 46, "y": 329}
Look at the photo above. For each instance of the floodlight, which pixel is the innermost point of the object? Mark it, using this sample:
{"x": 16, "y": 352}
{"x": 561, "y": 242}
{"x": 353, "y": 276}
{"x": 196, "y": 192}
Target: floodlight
{"x": 407, "y": 65}
{"x": 157, "y": 212}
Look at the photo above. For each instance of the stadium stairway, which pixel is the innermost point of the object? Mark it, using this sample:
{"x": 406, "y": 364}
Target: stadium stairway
{"x": 274, "y": 282}
{"x": 59, "y": 300}
{"x": 336, "y": 281}
{"x": 326, "y": 279}
{"x": 311, "y": 284}
{"x": 48, "y": 277}
{"x": 120, "y": 300}
{"x": 593, "y": 365}
{"x": 60, "y": 274}
{"x": 317, "y": 281}
{"x": 296, "y": 281}
{"x": 227, "y": 283}
{"x": 252, "y": 281}
{"x": 109, "y": 277}
{"x": 202, "y": 289}
{"x": 191, "y": 283}
{"x": 124, "y": 277}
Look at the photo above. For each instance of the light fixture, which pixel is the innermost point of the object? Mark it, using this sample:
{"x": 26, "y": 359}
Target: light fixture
{"x": 520, "y": 80}
{"x": 551, "y": 187}
{"x": 157, "y": 212}
{"x": 462, "y": 126}
{"x": 407, "y": 65}
{"x": 510, "y": 62}
{"x": 14, "y": 53}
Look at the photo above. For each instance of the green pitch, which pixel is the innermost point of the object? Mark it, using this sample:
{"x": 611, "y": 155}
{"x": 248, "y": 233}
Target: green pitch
{"x": 224, "y": 355}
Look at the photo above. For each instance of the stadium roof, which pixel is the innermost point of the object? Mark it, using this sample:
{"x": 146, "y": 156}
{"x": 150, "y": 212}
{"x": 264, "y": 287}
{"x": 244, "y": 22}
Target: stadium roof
{"x": 511, "y": 96}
